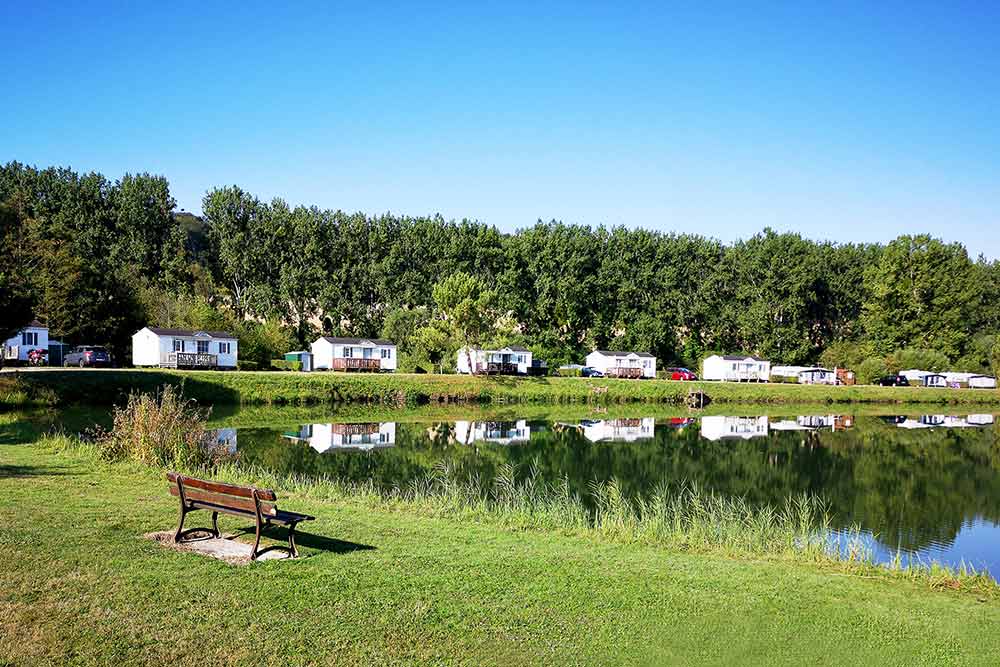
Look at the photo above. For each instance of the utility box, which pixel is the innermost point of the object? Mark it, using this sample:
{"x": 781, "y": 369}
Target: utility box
{"x": 306, "y": 358}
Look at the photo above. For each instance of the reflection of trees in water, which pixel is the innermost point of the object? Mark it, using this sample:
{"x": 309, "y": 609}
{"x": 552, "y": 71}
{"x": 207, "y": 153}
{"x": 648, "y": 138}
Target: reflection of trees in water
{"x": 912, "y": 487}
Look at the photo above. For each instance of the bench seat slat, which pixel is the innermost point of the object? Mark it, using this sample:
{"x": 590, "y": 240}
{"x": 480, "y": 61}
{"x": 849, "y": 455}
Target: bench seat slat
{"x": 280, "y": 516}
{"x": 221, "y": 487}
{"x": 224, "y": 500}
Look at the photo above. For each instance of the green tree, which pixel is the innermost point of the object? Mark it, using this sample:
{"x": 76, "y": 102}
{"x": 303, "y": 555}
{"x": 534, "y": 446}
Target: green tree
{"x": 236, "y": 229}
{"x": 922, "y": 293}
{"x": 468, "y": 306}
{"x": 17, "y": 305}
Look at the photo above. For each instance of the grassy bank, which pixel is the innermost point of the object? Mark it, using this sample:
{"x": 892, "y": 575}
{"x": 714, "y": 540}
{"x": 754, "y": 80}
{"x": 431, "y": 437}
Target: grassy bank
{"x": 408, "y": 583}
{"x": 62, "y": 387}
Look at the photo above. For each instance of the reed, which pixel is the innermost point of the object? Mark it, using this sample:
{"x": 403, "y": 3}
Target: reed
{"x": 159, "y": 429}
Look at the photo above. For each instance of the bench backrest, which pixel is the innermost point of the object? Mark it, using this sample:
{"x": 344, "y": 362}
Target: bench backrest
{"x": 224, "y": 495}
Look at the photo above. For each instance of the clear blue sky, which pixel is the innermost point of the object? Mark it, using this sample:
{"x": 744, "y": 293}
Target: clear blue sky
{"x": 856, "y": 122}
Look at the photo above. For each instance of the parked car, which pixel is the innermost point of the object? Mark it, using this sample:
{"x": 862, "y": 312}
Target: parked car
{"x": 680, "y": 374}
{"x": 588, "y": 372}
{"x": 893, "y": 381}
{"x": 87, "y": 355}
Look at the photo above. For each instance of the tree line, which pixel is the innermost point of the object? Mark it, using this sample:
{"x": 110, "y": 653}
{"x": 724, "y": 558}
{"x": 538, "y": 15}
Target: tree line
{"x": 98, "y": 259}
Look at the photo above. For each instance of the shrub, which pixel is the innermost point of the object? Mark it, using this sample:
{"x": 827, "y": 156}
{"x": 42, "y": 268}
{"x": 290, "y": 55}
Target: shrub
{"x": 872, "y": 369}
{"x": 845, "y": 354}
{"x": 285, "y": 365}
{"x": 161, "y": 429}
{"x": 246, "y": 365}
{"x": 922, "y": 359}
{"x": 571, "y": 372}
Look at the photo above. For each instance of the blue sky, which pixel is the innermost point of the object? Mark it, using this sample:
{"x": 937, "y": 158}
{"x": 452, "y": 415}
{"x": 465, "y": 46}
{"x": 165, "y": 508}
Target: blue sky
{"x": 844, "y": 123}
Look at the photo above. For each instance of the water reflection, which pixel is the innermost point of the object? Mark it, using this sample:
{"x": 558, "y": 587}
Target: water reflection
{"x": 344, "y": 437}
{"x": 618, "y": 430}
{"x": 741, "y": 428}
{"x": 497, "y": 432}
{"x": 225, "y": 438}
{"x": 924, "y": 484}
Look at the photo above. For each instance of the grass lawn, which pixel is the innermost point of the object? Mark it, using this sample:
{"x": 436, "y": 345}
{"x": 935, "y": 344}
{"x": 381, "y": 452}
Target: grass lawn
{"x": 101, "y": 387}
{"x": 387, "y": 586}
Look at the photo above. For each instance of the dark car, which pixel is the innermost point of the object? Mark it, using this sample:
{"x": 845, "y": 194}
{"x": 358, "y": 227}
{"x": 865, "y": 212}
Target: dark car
{"x": 679, "y": 374}
{"x": 893, "y": 381}
{"x": 88, "y": 355}
{"x": 588, "y": 372}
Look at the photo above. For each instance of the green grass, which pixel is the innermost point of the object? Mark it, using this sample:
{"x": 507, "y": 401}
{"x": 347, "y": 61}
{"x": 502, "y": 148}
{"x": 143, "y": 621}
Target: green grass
{"x": 389, "y": 584}
{"x": 62, "y": 387}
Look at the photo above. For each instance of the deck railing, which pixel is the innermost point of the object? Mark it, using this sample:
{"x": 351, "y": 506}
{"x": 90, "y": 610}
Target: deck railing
{"x": 189, "y": 360}
{"x": 624, "y": 372}
{"x": 355, "y": 429}
{"x": 356, "y": 364}
{"x": 497, "y": 367}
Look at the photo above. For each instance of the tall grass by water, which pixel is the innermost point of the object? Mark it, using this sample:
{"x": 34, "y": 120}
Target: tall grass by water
{"x": 160, "y": 429}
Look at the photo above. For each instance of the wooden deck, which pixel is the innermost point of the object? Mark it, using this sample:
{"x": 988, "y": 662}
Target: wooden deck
{"x": 189, "y": 360}
{"x": 357, "y": 364}
{"x": 624, "y": 372}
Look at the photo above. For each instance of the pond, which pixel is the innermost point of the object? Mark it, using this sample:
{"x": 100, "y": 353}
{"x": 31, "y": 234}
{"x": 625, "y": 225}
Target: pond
{"x": 924, "y": 485}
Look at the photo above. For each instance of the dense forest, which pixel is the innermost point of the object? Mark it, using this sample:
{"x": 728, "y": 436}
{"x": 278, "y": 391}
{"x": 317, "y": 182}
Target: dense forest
{"x": 97, "y": 259}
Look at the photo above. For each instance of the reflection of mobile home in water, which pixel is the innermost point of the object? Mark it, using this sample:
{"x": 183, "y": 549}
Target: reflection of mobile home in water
{"x": 946, "y": 421}
{"x": 502, "y": 433}
{"x": 225, "y": 437}
{"x": 619, "y": 430}
{"x": 364, "y": 437}
{"x": 717, "y": 427}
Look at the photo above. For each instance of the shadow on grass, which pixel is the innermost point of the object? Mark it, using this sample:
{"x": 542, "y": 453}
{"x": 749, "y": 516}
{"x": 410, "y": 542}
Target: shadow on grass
{"x": 107, "y": 387}
{"x": 23, "y": 472}
{"x": 311, "y": 541}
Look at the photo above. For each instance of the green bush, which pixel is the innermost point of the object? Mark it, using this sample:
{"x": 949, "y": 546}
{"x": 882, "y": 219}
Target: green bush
{"x": 285, "y": 365}
{"x": 160, "y": 429}
{"x": 871, "y": 370}
{"x": 922, "y": 359}
{"x": 247, "y": 365}
{"x": 567, "y": 372}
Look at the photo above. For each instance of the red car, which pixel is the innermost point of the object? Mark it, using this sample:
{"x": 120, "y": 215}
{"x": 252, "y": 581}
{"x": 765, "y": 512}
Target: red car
{"x": 680, "y": 374}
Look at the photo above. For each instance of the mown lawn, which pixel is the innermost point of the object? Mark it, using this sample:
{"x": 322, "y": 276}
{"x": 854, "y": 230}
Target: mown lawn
{"x": 385, "y": 586}
{"x": 102, "y": 387}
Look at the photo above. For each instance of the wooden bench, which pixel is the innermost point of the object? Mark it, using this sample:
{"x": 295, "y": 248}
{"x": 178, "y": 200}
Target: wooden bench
{"x": 245, "y": 501}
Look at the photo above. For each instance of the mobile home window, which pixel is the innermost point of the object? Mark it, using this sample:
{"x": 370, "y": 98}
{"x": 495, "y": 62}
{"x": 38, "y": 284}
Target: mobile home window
{"x": 29, "y": 338}
{"x": 202, "y": 347}
{"x": 223, "y": 348}
{"x": 178, "y": 346}
{"x": 347, "y": 352}
{"x": 385, "y": 353}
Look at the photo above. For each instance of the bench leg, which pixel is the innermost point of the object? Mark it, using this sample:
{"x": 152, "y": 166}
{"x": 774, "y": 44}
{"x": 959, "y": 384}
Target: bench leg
{"x": 256, "y": 543}
{"x": 291, "y": 541}
{"x": 215, "y": 524}
{"x": 180, "y": 524}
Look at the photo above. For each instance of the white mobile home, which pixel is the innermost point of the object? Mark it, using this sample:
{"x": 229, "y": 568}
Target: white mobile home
{"x": 510, "y": 360}
{"x": 35, "y": 336}
{"x": 982, "y": 382}
{"x": 184, "y": 348}
{"x": 354, "y": 354}
{"x": 736, "y": 368}
{"x": 624, "y": 364}
{"x": 817, "y": 376}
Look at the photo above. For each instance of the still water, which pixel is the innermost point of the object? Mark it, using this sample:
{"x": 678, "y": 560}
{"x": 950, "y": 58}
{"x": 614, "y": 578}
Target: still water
{"x": 925, "y": 485}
